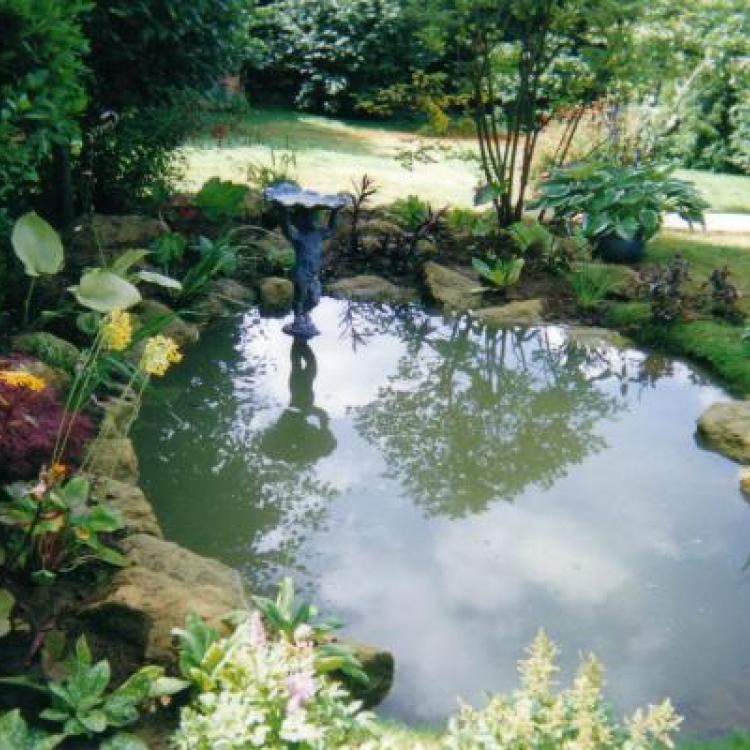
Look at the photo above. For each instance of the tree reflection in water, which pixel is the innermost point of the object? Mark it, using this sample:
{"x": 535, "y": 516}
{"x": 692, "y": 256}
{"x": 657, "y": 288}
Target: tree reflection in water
{"x": 474, "y": 416}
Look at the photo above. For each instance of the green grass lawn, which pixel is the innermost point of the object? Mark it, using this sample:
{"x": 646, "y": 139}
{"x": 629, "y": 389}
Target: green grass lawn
{"x": 330, "y": 153}
{"x": 724, "y": 192}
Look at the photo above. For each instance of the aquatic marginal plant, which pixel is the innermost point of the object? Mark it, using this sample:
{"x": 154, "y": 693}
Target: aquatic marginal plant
{"x": 576, "y": 718}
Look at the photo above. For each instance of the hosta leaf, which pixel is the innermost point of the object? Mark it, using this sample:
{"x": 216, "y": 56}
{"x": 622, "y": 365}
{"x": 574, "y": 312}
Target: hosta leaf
{"x": 105, "y": 291}
{"x": 37, "y": 245}
{"x": 127, "y": 260}
{"x": 123, "y": 741}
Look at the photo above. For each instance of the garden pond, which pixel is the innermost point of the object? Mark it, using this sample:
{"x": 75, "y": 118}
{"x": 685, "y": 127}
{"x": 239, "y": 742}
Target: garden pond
{"x": 448, "y": 489}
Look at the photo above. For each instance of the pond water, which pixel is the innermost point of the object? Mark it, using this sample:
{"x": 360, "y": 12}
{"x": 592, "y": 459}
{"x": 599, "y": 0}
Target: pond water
{"x": 448, "y": 490}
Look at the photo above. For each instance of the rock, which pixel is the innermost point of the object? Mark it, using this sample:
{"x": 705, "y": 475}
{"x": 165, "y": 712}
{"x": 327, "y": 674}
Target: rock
{"x": 378, "y": 665}
{"x": 224, "y": 297}
{"x": 181, "y": 331}
{"x": 745, "y": 480}
{"x": 370, "y": 288}
{"x": 726, "y": 428}
{"x": 454, "y": 289}
{"x": 591, "y": 337}
{"x": 254, "y": 203}
{"x": 162, "y": 586}
{"x": 524, "y": 312}
{"x": 114, "y": 458}
{"x": 48, "y": 348}
{"x": 97, "y": 239}
{"x": 130, "y": 503}
{"x": 276, "y": 294}
{"x": 119, "y": 414}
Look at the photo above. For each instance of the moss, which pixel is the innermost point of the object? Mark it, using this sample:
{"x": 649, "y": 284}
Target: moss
{"x": 628, "y": 315}
{"x": 50, "y": 349}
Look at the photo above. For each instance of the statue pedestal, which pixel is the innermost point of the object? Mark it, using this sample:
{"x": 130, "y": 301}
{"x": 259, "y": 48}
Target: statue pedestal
{"x": 301, "y": 328}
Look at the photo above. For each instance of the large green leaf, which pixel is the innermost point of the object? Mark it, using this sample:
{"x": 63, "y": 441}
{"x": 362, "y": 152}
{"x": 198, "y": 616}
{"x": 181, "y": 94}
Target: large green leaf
{"x": 37, "y": 245}
{"x": 105, "y": 291}
{"x": 151, "y": 277}
{"x": 16, "y": 735}
{"x": 123, "y": 741}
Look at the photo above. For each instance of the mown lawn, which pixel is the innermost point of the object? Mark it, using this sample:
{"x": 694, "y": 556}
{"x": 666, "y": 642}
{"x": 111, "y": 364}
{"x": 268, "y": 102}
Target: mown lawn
{"x": 331, "y": 152}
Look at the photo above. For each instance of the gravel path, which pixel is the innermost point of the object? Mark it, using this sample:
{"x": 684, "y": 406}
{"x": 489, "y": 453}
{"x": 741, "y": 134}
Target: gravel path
{"x": 722, "y": 223}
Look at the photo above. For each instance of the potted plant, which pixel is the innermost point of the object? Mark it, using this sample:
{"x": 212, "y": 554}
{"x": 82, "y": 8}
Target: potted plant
{"x": 620, "y": 208}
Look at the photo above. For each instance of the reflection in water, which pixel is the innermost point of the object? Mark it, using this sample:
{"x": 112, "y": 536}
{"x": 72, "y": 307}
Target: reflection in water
{"x": 506, "y": 409}
{"x": 376, "y": 468}
{"x": 302, "y": 434}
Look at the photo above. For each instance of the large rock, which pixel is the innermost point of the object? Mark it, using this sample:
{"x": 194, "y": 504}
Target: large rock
{"x": 48, "y": 348}
{"x": 120, "y": 412}
{"x": 525, "y": 312}
{"x": 378, "y": 665}
{"x": 183, "y": 333}
{"x": 726, "y": 428}
{"x": 162, "y": 586}
{"x": 276, "y": 294}
{"x": 591, "y": 337}
{"x": 132, "y": 505}
{"x": 224, "y": 297}
{"x": 455, "y": 289}
{"x": 370, "y": 288}
{"x": 114, "y": 458}
{"x": 97, "y": 239}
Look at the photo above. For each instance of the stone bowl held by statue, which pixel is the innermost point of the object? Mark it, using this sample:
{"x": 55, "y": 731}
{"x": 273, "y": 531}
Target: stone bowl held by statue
{"x": 290, "y": 195}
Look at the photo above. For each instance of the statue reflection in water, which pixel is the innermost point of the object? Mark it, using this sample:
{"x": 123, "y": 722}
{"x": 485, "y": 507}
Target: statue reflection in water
{"x": 302, "y": 434}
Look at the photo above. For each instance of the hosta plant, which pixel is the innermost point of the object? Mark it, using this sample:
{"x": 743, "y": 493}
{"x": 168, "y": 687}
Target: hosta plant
{"x": 575, "y": 718}
{"x": 628, "y": 202}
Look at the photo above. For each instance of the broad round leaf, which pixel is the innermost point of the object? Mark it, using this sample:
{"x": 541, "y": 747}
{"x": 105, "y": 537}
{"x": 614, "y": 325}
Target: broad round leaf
{"x": 104, "y": 291}
{"x": 37, "y": 245}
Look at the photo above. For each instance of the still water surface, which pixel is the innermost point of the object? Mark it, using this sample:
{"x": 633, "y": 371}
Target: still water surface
{"x": 448, "y": 490}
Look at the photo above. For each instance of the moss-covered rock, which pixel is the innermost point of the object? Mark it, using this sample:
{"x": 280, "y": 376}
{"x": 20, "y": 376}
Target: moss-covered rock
{"x": 223, "y": 297}
{"x": 135, "y": 510}
{"x": 114, "y": 458}
{"x": 276, "y": 294}
{"x": 48, "y": 348}
{"x": 726, "y": 429}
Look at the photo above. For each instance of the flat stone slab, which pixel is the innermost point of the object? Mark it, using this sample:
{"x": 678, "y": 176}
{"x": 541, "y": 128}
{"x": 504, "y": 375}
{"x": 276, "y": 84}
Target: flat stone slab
{"x": 726, "y": 428}
{"x": 371, "y": 288}
{"x": 592, "y": 337}
{"x": 525, "y": 312}
{"x": 456, "y": 290}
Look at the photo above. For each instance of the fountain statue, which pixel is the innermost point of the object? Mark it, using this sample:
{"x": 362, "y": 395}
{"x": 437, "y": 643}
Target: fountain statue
{"x": 299, "y": 223}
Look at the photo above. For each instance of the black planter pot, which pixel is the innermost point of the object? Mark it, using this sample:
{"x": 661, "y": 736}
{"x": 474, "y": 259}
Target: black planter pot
{"x": 613, "y": 249}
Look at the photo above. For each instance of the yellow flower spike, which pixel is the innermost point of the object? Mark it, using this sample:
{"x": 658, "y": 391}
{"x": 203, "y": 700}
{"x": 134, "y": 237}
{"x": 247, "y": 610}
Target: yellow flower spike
{"x": 117, "y": 331}
{"x": 22, "y": 380}
{"x": 158, "y": 354}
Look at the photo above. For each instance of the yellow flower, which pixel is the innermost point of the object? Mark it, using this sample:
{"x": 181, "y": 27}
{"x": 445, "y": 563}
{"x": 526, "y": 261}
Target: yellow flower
{"x": 22, "y": 380}
{"x": 158, "y": 354}
{"x": 117, "y": 331}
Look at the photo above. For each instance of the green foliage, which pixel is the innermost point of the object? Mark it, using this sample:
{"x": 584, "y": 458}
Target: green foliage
{"x": 221, "y": 200}
{"x": 281, "y": 167}
{"x": 504, "y": 274}
{"x": 472, "y": 223}
{"x": 15, "y": 734}
{"x": 592, "y": 283}
{"x": 7, "y": 602}
{"x": 284, "y": 614}
{"x": 104, "y": 291}
{"x": 195, "y": 640}
{"x": 168, "y": 250}
{"x": 41, "y": 89}
{"x": 216, "y": 258}
{"x": 410, "y": 212}
{"x": 134, "y": 165}
{"x": 58, "y": 530}
{"x": 37, "y": 245}
{"x": 85, "y": 706}
{"x": 324, "y": 54}
{"x": 627, "y": 201}
{"x": 735, "y": 741}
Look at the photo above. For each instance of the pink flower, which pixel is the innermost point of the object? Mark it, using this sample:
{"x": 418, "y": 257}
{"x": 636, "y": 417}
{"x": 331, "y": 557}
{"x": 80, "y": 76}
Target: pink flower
{"x": 301, "y": 687}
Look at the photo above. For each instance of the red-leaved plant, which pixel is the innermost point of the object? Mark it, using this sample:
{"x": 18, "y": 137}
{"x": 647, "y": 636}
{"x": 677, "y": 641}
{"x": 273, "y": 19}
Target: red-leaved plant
{"x": 30, "y": 420}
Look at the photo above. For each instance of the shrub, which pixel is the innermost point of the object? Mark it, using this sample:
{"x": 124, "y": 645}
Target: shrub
{"x": 221, "y": 200}
{"x": 31, "y": 415}
{"x": 41, "y": 89}
{"x": 410, "y": 212}
{"x": 591, "y": 284}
